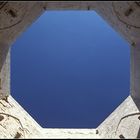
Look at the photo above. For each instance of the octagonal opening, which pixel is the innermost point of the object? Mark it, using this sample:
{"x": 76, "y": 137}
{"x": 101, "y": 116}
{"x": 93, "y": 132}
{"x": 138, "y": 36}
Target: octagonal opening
{"x": 70, "y": 69}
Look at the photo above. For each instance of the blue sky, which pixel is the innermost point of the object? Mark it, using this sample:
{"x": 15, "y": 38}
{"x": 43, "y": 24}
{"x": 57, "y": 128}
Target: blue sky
{"x": 70, "y": 69}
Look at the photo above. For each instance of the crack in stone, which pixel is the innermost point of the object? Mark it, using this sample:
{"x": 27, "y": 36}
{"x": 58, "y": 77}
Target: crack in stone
{"x": 132, "y": 114}
{"x": 15, "y": 119}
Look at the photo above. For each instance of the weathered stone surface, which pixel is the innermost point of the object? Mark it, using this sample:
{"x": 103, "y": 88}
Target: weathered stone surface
{"x": 117, "y": 15}
{"x": 128, "y": 127}
{"x": 12, "y": 26}
{"x": 69, "y": 5}
{"x": 4, "y": 70}
{"x": 70, "y": 133}
{"x": 17, "y": 120}
{"x": 16, "y": 17}
{"x": 135, "y": 71}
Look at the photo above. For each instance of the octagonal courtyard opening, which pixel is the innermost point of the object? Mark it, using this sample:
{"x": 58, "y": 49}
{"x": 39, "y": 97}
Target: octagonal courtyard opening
{"x": 70, "y": 69}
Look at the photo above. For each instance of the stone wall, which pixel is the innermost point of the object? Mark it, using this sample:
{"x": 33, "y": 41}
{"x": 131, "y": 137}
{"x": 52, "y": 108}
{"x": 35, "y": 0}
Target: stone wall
{"x": 16, "y": 17}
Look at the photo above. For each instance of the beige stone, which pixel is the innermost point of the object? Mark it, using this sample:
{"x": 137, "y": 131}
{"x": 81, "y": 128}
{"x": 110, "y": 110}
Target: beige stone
{"x": 16, "y": 17}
